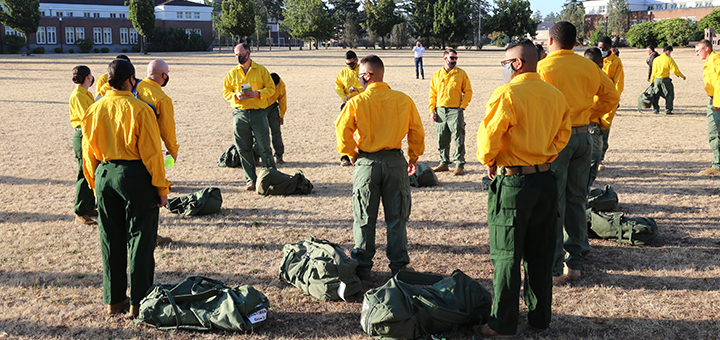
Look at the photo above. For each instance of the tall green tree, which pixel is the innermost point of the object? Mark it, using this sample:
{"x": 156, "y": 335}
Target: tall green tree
{"x": 400, "y": 35}
{"x": 345, "y": 12}
{"x": 217, "y": 9}
{"x": 452, "y": 21}
{"x": 422, "y": 19}
{"x": 642, "y": 35}
{"x": 22, "y": 15}
{"x": 142, "y": 16}
{"x": 512, "y": 17}
{"x": 261, "y": 22}
{"x": 618, "y": 17}
{"x": 711, "y": 20}
{"x": 351, "y": 31}
{"x": 538, "y": 16}
{"x": 308, "y": 20}
{"x": 573, "y": 12}
{"x": 480, "y": 10}
{"x": 380, "y": 17}
{"x": 237, "y": 17}
{"x": 552, "y": 17}
{"x": 674, "y": 32}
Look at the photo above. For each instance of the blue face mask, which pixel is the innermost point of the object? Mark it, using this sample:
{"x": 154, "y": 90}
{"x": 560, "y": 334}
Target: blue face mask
{"x": 508, "y": 72}
{"x": 605, "y": 53}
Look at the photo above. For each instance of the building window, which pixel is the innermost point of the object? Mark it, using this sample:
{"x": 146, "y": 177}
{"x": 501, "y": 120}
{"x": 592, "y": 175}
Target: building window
{"x": 658, "y": 7}
{"x": 96, "y": 15}
{"x": 79, "y": 33}
{"x": 51, "y": 35}
{"x": 673, "y": 6}
{"x": 188, "y": 15}
{"x": 40, "y": 35}
{"x": 642, "y": 20}
{"x": 601, "y": 9}
{"x": 122, "y": 15}
{"x": 133, "y": 36}
{"x": 281, "y": 41}
{"x": 69, "y": 35}
{"x": 179, "y": 15}
{"x": 196, "y": 15}
{"x": 693, "y": 19}
{"x": 42, "y": 13}
{"x": 59, "y": 14}
{"x": 124, "y": 36}
{"x": 113, "y": 15}
{"x": 633, "y": 22}
{"x": 107, "y": 35}
{"x": 198, "y": 31}
{"x": 69, "y": 14}
{"x": 683, "y": 5}
{"x": 97, "y": 35}
{"x": 708, "y": 4}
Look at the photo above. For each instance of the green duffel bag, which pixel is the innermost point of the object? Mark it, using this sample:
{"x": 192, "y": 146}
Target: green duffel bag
{"x": 645, "y": 98}
{"x": 635, "y": 231}
{"x": 230, "y": 158}
{"x": 273, "y": 182}
{"x": 402, "y": 310}
{"x": 602, "y": 199}
{"x": 204, "y": 202}
{"x": 200, "y": 303}
{"x": 320, "y": 268}
{"x": 424, "y": 176}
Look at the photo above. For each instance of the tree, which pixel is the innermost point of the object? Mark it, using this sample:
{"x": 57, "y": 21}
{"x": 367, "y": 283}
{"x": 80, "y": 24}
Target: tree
{"x": 642, "y": 35}
{"x": 711, "y": 20}
{"x": 400, "y": 35}
{"x": 308, "y": 20}
{"x": 142, "y": 16}
{"x": 617, "y": 17}
{"x": 552, "y": 17}
{"x": 452, "y": 21}
{"x": 674, "y": 32}
{"x": 512, "y": 17}
{"x": 538, "y": 16}
{"x": 261, "y": 22}
{"x": 479, "y": 12}
{"x": 422, "y": 19}
{"x": 344, "y": 12}
{"x": 217, "y": 8}
{"x": 574, "y": 13}
{"x": 351, "y": 30}
{"x": 381, "y": 17}
{"x": 237, "y": 17}
{"x": 22, "y": 16}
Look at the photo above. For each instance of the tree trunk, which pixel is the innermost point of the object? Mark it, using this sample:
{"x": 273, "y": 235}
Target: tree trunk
{"x": 27, "y": 45}
{"x": 144, "y": 44}
{"x": 383, "y": 41}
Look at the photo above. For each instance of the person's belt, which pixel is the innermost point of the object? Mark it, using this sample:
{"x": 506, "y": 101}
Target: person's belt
{"x": 579, "y": 129}
{"x": 525, "y": 170}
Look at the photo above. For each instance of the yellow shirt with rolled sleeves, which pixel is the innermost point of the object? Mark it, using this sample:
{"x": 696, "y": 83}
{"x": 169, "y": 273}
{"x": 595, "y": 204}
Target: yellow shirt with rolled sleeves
{"x": 711, "y": 77}
{"x": 259, "y": 79}
{"x": 122, "y": 127}
{"x": 382, "y": 118}
{"x": 450, "y": 89}
{"x": 151, "y": 92}
{"x": 579, "y": 80}
{"x": 280, "y": 97}
{"x": 613, "y": 68}
{"x": 80, "y": 101}
{"x": 527, "y": 122}
{"x": 102, "y": 85}
{"x": 662, "y": 66}
{"x": 346, "y": 79}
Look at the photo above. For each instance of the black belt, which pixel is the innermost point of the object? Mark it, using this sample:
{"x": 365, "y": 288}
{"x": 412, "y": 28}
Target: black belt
{"x": 525, "y": 170}
{"x": 579, "y": 129}
{"x": 386, "y": 150}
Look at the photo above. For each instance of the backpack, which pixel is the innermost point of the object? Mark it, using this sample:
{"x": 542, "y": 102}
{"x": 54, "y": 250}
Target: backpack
{"x": 424, "y": 176}
{"x": 230, "y": 158}
{"x": 273, "y": 182}
{"x": 320, "y": 268}
{"x": 200, "y": 303}
{"x": 204, "y": 202}
{"x": 401, "y": 310}
{"x": 635, "y": 231}
{"x": 645, "y": 98}
{"x": 602, "y": 199}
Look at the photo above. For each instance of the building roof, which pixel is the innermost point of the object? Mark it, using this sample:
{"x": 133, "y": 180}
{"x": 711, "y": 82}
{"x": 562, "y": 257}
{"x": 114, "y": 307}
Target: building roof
{"x": 122, "y": 2}
{"x": 545, "y": 25}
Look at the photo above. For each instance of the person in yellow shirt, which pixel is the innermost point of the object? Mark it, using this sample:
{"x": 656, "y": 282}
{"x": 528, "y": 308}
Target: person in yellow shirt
{"x": 662, "y": 84}
{"x": 150, "y": 91}
{"x": 580, "y": 80}
{"x": 276, "y": 116}
{"x": 526, "y": 124}
{"x": 102, "y": 86}
{"x": 450, "y": 94}
{"x": 711, "y": 78}
{"x": 123, "y": 163}
{"x": 347, "y": 85}
{"x": 247, "y": 87}
{"x": 80, "y": 101}
{"x": 381, "y": 118}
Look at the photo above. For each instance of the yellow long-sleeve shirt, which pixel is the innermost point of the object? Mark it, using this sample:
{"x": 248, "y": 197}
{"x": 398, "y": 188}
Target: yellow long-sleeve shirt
{"x": 259, "y": 79}
{"x": 151, "y": 92}
{"x": 711, "y": 77}
{"x": 613, "y": 68}
{"x": 121, "y": 127}
{"x": 450, "y": 89}
{"x": 80, "y": 101}
{"x": 381, "y": 117}
{"x": 280, "y": 97}
{"x": 527, "y": 122}
{"x": 580, "y": 80}
{"x": 346, "y": 79}
{"x": 101, "y": 84}
{"x": 662, "y": 66}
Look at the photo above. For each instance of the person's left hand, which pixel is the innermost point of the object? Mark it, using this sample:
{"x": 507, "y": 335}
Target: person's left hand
{"x": 353, "y": 89}
{"x": 412, "y": 168}
{"x": 716, "y": 108}
{"x": 683, "y": 78}
{"x": 163, "y": 201}
{"x": 491, "y": 171}
{"x": 282, "y": 120}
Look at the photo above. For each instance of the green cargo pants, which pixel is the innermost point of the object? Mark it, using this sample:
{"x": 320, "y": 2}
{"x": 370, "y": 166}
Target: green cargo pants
{"x": 252, "y": 126}
{"x": 450, "y": 124}
{"x": 596, "y": 135}
{"x": 84, "y": 196}
{"x": 663, "y": 87}
{"x": 713, "y": 118}
{"x": 381, "y": 175}
{"x": 128, "y": 220}
{"x": 572, "y": 168}
{"x": 522, "y": 221}
{"x": 273, "y": 114}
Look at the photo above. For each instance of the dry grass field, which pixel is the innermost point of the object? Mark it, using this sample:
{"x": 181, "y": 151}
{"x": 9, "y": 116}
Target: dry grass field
{"x": 51, "y": 271}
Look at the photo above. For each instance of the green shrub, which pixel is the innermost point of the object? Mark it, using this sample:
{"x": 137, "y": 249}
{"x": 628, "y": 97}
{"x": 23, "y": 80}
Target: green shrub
{"x": 642, "y": 35}
{"x": 675, "y": 32}
{"x": 72, "y": 50}
{"x": 124, "y": 50}
{"x": 84, "y": 45}
{"x": 14, "y": 43}
{"x": 96, "y": 50}
{"x": 596, "y": 35}
{"x": 39, "y": 50}
{"x": 175, "y": 40}
{"x": 58, "y": 49}
{"x": 104, "y": 50}
{"x": 711, "y": 20}
{"x": 135, "y": 48}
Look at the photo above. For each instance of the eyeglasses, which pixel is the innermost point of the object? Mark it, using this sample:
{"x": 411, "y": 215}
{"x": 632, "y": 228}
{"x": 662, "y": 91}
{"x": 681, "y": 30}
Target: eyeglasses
{"x": 453, "y": 58}
{"x": 360, "y": 75}
{"x": 507, "y": 61}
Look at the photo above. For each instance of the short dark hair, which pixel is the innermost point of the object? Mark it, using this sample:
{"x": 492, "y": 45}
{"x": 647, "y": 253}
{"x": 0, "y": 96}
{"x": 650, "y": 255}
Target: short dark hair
{"x": 350, "y": 55}
{"x": 374, "y": 61}
{"x": 448, "y": 51}
{"x": 594, "y": 54}
{"x": 519, "y": 42}
{"x": 275, "y": 77}
{"x": 705, "y": 42}
{"x": 565, "y": 34}
{"x": 651, "y": 48}
{"x": 80, "y": 72}
{"x": 123, "y": 57}
{"x": 119, "y": 71}
{"x": 605, "y": 40}
{"x": 667, "y": 48}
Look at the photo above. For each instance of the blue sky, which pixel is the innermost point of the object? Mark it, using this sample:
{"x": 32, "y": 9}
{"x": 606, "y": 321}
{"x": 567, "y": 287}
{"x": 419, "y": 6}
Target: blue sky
{"x": 546, "y": 6}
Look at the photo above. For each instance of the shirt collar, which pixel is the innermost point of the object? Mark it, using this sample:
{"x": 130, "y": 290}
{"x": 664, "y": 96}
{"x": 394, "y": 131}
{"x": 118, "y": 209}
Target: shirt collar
{"x": 560, "y": 52}
{"x": 526, "y": 76}
{"x": 378, "y": 85}
{"x": 115, "y": 93}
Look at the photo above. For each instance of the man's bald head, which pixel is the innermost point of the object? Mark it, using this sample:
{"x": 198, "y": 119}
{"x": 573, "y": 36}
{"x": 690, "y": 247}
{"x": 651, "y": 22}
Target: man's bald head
{"x": 373, "y": 64}
{"x": 524, "y": 50}
{"x": 157, "y": 67}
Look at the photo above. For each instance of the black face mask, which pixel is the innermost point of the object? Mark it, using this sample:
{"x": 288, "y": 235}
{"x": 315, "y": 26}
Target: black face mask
{"x": 166, "y": 80}
{"x": 92, "y": 82}
{"x": 352, "y": 65}
{"x": 242, "y": 59}
{"x": 451, "y": 64}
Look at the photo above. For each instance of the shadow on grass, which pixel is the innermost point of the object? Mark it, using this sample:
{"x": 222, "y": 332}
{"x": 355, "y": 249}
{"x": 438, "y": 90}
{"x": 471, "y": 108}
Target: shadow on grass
{"x": 31, "y": 181}
{"x": 22, "y": 217}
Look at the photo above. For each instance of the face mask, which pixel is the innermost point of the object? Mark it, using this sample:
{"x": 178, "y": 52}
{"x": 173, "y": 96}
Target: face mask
{"x": 605, "y": 53}
{"x": 242, "y": 59}
{"x": 508, "y": 72}
{"x": 363, "y": 82}
{"x": 451, "y": 64}
{"x": 93, "y": 81}
{"x": 352, "y": 65}
{"x": 166, "y": 80}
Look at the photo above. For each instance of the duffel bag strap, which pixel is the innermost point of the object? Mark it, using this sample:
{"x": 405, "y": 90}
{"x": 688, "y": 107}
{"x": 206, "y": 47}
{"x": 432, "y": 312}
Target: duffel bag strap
{"x": 442, "y": 313}
{"x": 418, "y": 279}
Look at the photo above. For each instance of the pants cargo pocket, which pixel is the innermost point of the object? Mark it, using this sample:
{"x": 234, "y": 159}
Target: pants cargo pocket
{"x": 405, "y": 204}
{"x": 502, "y": 231}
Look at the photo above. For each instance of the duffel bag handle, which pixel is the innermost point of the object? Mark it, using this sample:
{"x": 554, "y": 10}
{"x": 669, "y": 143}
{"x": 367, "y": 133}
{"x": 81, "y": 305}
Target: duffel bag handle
{"x": 442, "y": 313}
{"x": 415, "y": 278}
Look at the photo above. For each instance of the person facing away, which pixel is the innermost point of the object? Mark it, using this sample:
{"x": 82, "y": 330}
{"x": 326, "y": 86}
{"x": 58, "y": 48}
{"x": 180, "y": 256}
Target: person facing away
{"x": 595, "y": 55}
{"x": 526, "y": 124}
{"x": 419, "y": 51}
{"x": 711, "y": 78}
{"x": 660, "y": 79}
{"x": 381, "y": 118}
{"x": 150, "y": 90}
{"x": 102, "y": 86}
{"x": 80, "y": 101}
{"x": 347, "y": 86}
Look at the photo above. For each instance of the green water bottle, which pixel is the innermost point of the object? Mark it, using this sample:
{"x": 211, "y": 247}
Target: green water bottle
{"x": 169, "y": 161}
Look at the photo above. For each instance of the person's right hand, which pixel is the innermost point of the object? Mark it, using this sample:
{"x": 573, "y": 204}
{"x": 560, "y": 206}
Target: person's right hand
{"x": 346, "y": 99}
{"x": 163, "y": 201}
{"x": 353, "y": 89}
{"x": 491, "y": 171}
{"x": 433, "y": 116}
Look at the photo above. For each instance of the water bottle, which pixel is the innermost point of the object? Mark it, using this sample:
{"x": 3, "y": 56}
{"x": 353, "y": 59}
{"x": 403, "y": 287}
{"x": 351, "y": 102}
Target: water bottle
{"x": 169, "y": 161}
